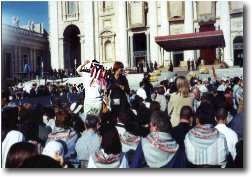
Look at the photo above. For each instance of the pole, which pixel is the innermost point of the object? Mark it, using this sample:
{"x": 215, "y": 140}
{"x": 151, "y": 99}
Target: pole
{"x": 75, "y": 67}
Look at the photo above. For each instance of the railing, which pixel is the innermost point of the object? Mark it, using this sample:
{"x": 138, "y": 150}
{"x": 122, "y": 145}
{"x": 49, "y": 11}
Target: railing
{"x": 18, "y": 30}
{"x": 74, "y": 16}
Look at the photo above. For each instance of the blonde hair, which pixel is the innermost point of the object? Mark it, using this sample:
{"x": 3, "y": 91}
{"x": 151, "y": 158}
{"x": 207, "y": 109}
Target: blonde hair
{"x": 182, "y": 86}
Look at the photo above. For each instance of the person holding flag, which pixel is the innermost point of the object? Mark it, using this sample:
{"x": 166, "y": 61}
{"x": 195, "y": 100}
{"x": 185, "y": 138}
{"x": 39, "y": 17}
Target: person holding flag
{"x": 94, "y": 84}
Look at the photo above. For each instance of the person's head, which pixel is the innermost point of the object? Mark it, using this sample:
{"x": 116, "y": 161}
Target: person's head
{"x": 18, "y": 153}
{"x": 221, "y": 114}
{"x": 123, "y": 117}
{"x": 205, "y": 114}
{"x": 118, "y": 68}
{"x": 159, "y": 122}
{"x": 228, "y": 93}
{"x": 182, "y": 86}
{"x": 186, "y": 114}
{"x": 141, "y": 84}
{"x": 91, "y": 122}
{"x": 155, "y": 106}
{"x": 55, "y": 150}
{"x": 63, "y": 119}
{"x": 161, "y": 90}
{"x": 40, "y": 161}
{"x": 110, "y": 140}
{"x": 196, "y": 92}
{"x": 236, "y": 80}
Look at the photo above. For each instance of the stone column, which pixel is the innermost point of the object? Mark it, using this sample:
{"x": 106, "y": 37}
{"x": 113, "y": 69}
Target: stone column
{"x": 188, "y": 26}
{"x": 122, "y": 33}
{"x": 20, "y": 68}
{"x": 54, "y": 35}
{"x": 153, "y": 31}
{"x": 225, "y": 25}
{"x": 61, "y": 55}
{"x": 165, "y": 28}
{"x": 82, "y": 41}
{"x": 131, "y": 51}
{"x": 89, "y": 29}
{"x": 15, "y": 62}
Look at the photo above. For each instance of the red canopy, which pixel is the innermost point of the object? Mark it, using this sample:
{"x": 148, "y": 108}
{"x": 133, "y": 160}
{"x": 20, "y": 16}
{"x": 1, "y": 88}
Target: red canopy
{"x": 191, "y": 41}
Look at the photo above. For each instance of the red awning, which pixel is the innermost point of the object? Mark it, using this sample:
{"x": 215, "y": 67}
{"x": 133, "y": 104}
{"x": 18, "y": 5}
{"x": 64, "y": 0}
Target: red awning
{"x": 191, "y": 41}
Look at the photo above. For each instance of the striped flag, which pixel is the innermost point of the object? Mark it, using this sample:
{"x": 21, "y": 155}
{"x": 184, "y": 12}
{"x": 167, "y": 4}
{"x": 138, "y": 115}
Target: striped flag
{"x": 96, "y": 71}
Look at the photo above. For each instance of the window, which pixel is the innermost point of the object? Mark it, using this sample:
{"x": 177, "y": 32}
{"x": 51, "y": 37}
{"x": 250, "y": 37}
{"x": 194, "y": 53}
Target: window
{"x": 8, "y": 65}
{"x": 108, "y": 51}
{"x": 71, "y": 7}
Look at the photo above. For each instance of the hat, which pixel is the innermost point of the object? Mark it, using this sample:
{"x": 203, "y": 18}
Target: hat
{"x": 171, "y": 80}
{"x": 75, "y": 108}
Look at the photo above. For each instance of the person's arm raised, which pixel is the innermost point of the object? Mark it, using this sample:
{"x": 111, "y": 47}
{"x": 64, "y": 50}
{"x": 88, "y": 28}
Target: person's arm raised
{"x": 79, "y": 69}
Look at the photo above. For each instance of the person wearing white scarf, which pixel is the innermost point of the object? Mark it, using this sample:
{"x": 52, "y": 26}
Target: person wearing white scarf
{"x": 158, "y": 149}
{"x": 11, "y": 138}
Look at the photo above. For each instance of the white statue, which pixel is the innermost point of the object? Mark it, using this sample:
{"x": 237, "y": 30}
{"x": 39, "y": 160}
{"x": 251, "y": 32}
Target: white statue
{"x": 14, "y": 21}
{"x": 32, "y": 26}
{"x": 17, "y": 22}
{"x": 29, "y": 25}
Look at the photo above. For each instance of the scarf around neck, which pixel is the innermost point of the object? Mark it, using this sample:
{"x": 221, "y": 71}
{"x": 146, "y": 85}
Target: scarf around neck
{"x": 103, "y": 160}
{"x": 159, "y": 148}
{"x": 129, "y": 141}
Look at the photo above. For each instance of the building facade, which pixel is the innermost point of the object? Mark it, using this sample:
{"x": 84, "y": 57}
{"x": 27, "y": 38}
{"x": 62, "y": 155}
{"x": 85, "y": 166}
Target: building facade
{"x": 111, "y": 31}
{"x": 24, "y": 53}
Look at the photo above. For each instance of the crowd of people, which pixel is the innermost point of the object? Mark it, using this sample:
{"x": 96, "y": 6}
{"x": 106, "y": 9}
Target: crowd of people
{"x": 179, "y": 124}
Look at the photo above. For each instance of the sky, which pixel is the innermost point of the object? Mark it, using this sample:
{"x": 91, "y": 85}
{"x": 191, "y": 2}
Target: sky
{"x": 36, "y": 11}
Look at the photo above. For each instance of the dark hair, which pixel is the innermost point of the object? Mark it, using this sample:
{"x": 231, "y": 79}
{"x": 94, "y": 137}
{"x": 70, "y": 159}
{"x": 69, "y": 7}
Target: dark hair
{"x": 236, "y": 80}
{"x": 29, "y": 128}
{"x": 117, "y": 65}
{"x": 91, "y": 121}
{"x": 186, "y": 112}
{"x": 111, "y": 143}
{"x": 221, "y": 113}
{"x": 205, "y": 113}
{"x": 155, "y": 106}
{"x": 161, "y": 121}
{"x": 18, "y": 153}
{"x": 161, "y": 90}
{"x": 63, "y": 119}
{"x": 40, "y": 161}
{"x": 228, "y": 90}
{"x": 123, "y": 117}
{"x": 141, "y": 84}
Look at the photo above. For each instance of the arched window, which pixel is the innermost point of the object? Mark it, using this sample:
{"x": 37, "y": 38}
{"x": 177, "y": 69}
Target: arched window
{"x": 72, "y": 7}
{"x": 108, "y": 51}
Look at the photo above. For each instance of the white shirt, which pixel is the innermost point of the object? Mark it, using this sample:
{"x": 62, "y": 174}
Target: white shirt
{"x": 231, "y": 138}
{"x": 162, "y": 101}
{"x": 92, "y": 90}
{"x": 141, "y": 92}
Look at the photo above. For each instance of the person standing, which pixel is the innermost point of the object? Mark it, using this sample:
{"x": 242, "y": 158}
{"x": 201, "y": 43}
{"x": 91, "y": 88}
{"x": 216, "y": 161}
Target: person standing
{"x": 93, "y": 89}
{"x": 119, "y": 89}
{"x": 188, "y": 64}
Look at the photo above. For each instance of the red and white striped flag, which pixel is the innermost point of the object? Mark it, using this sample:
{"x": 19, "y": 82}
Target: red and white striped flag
{"x": 96, "y": 71}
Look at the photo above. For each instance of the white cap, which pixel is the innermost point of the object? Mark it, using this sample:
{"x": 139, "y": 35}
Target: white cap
{"x": 171, "y": 80}
{"x": 75, "y": 108}
{"x": 224, "y": 79}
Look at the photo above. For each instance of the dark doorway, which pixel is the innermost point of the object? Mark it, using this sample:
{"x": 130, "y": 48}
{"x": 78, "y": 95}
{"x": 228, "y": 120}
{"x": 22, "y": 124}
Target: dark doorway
{"x": 238, "y": 50}
{"x": 209, "y": 54}
{"x": 139, "y": 48}
{"x": 177, "y": 57}
{"x": 72, "y": 51}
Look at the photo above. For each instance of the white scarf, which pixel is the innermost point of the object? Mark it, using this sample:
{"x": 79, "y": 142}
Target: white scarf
{"x": 205, "y": 145}
{"x": 12, "y": 137}
{"x": 52, "y": 148}
{"x": 129, "y": 141}
{"x": 159, "y": 148}
{"x": 103, "y": 160}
